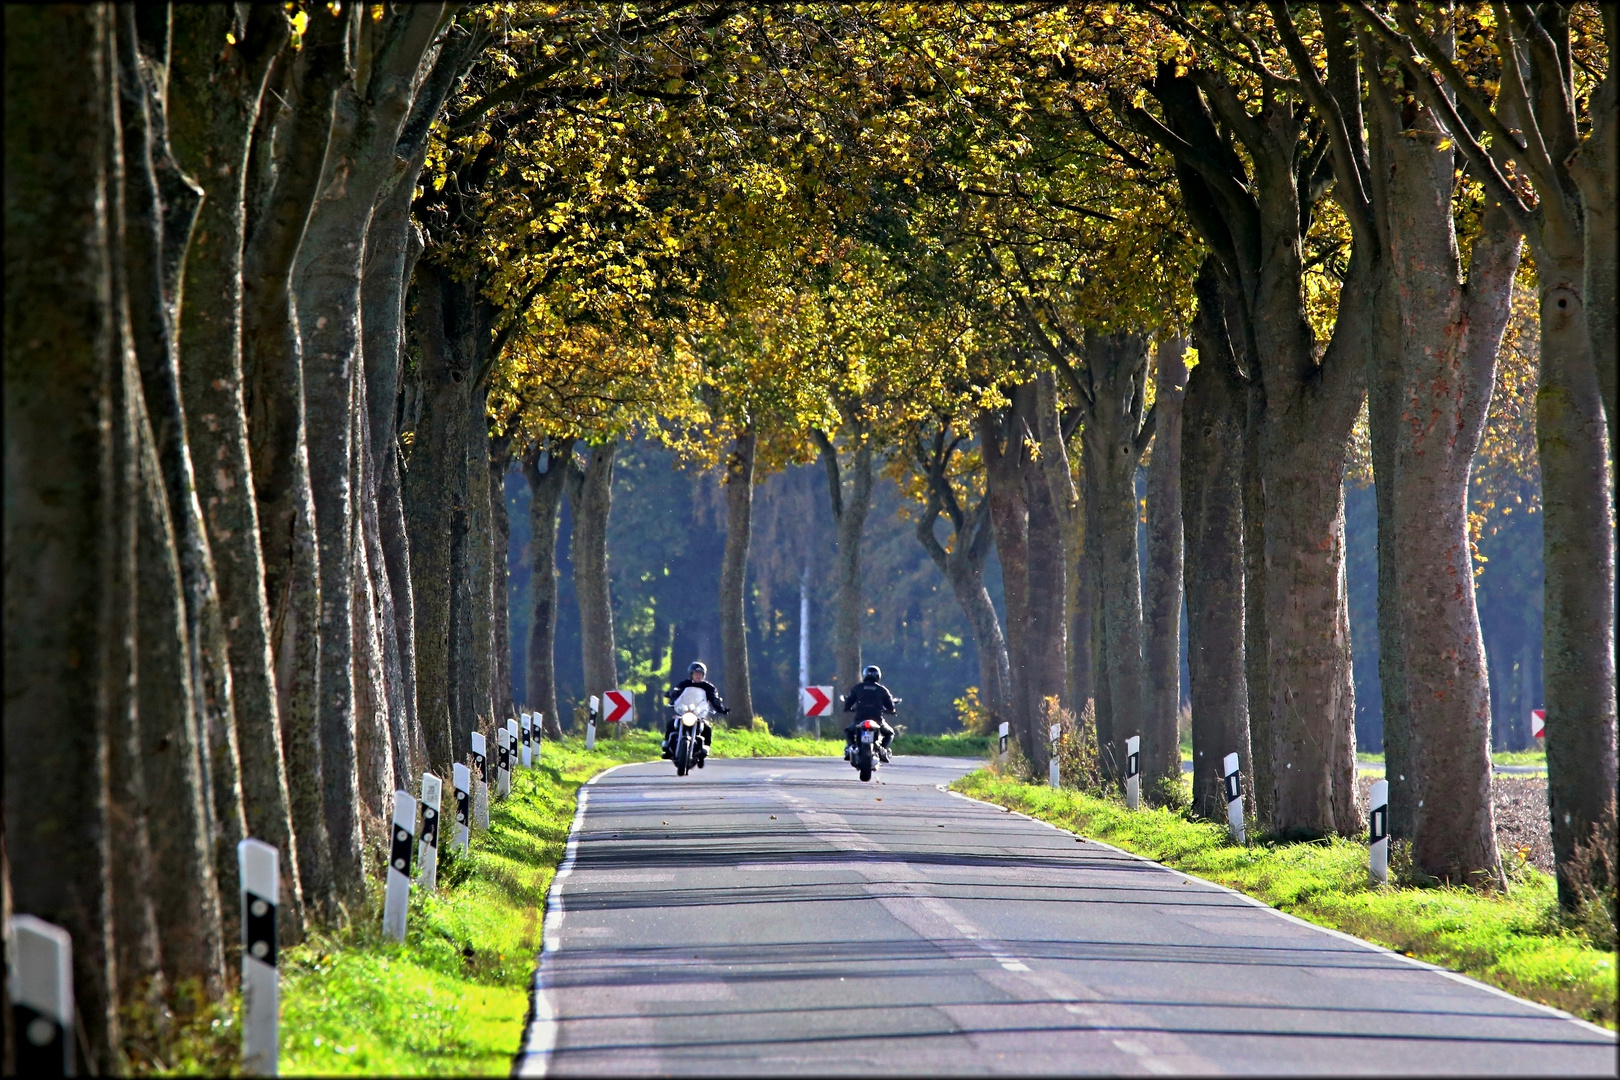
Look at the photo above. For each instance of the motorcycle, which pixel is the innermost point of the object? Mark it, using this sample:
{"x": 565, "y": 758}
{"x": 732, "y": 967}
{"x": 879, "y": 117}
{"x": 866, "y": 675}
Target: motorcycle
{"x": 866, "y": 752}
{"x": 691, "y": 719}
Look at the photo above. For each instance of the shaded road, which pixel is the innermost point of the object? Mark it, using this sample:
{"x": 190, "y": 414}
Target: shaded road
{"x": 778, "y": 916}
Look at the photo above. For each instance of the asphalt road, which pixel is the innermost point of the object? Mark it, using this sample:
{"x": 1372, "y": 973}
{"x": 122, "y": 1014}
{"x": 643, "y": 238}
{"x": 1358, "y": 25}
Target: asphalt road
{"x": 775, "y": 915}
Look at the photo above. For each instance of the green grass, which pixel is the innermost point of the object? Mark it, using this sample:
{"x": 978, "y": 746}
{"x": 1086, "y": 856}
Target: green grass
{"x": 452, "y": 999}
{"x": 1513, "y": 941}
{"x": 1498, "y": 757}
{"x": 958, "y": 744}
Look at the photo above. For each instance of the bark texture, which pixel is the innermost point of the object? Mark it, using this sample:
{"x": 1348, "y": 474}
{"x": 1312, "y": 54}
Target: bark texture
{"x": 1162, "y": 591}
{"x": 70, "y": 488}
{"x": 849, "y": 513}
{"x": 1119, "y": 426}
{"x": 1003, "y": 442}
{"x": 545, "y": 467}
{"x": 591, "y": 496}
{"x": 739, "y": 489}
{"x": 1213, "y": 414}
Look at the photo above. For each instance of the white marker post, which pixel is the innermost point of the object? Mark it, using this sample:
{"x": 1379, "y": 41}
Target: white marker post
{"x": 461, "y": 779}
{"x": 481, "y": 784}
{"x": 41, "y": 963}
{"x": 398, "y": 896}
{"x": 536, "y": 726}
{"x": 1052, "y": 769}
{"x": 1002, "y": 751}
{"x": 432, "y": 789}
{"x": 525, "y": 729}
{"x": 1133, "y": 771}
{"x": 1234, "y": 798}
{"x": 1378, "y": 833}
{"x": 590, "y": 724}
{"x": 259, "y": 870}
{"x": 503, "y": 763}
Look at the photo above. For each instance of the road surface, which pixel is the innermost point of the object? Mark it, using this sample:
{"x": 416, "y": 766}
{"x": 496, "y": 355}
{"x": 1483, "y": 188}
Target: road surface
{"x": 777, "y": 916}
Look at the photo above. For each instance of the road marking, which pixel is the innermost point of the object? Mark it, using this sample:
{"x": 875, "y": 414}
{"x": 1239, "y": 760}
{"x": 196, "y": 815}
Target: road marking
{"x": 1263, "y": 906}
{"x": 540, "y": 1036}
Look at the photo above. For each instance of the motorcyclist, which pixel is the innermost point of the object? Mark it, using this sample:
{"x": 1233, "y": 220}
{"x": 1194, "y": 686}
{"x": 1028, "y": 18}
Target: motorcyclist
{"x": 696, "y": 675}
{"x": 870, "y": 700}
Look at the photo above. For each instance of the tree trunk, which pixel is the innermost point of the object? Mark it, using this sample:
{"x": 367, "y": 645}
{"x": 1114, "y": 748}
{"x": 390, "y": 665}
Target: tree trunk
{"x": 500, "y": 461}
{"x": 591, "y": 494}
{"x": 963, "y": 567}
{"x": 1048, "y": 683}
{"x": 1001, "y": 440}
{"x": 1118, "y": 428}
{"x": 850, "y": 515}
{"x": 1449, "y": 333}
{"x": 1578, "y": 673}
{"x": 377, "y": 705}
{"x": 475, "y": 670}
{"x": 1055, "y": 463}
{"x": 273, "y": 390}
{"x": 546, "y": 473}
{"x": 70, "y": 489}
{"x": 160, "y": 208}
{"x": 1212, "y": 510}
{"x": 1162, "y": 591}
{"x": 213, "y": 100}
{"x": 1256, "y": 637}
{"x": 431, "y": 502}
{"x": 739, "y": 484}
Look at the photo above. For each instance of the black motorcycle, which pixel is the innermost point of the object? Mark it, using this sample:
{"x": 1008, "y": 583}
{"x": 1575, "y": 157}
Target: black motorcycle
{"x": 865, "y": 754}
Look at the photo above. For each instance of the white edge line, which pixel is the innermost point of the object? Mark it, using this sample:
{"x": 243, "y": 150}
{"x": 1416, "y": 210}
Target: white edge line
{"x": 1263, "y": 906}
{"x": 540, "y": 1028}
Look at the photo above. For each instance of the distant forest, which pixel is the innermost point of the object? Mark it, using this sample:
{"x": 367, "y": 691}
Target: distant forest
{"x": 667, "y": 533}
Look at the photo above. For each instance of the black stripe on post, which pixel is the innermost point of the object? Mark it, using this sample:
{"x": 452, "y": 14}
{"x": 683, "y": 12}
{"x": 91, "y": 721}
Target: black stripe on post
{"x": 41, "y": 1043}
{"x": 1133, "y": 766}
{"x": 430, "y": 826}
{"x": 462, "y": 816}
{"x": 1378, "y": 824}
{"x": 1234, "y": 788}
{"x": 261, "y": 928}
{"x": 399, "y": 854}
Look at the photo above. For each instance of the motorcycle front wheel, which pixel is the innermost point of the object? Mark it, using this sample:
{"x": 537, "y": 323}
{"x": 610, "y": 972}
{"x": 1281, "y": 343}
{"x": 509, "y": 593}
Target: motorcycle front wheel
{"x": 683, "y": 755}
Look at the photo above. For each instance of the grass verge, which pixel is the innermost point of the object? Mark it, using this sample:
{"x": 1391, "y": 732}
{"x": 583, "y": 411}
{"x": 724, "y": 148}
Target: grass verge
{"x": 1515, "y": 941}
{"x": 451, "y": 1000}
{"x": 960, "y": 744}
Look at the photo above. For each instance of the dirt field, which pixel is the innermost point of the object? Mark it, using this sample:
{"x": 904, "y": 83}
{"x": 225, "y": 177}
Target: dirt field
{"x": 1520, "y": 807}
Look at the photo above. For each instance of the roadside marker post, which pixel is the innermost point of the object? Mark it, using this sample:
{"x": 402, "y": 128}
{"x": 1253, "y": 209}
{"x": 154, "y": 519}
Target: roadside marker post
{"x": 41, "y": 963}
{"x": 461, "y": 778}
{"x": 536, "y": 726}
{"x": 481, "y": 787}
{"x": 432, "y": 790}
{"x": 590, "y": 724}
{"x": 526, "y": 728}
{"x": 1003, "y": 743}
{"x": 398, "y": 896}
{"x": 1052, "y": 769}
{"x": 258, "y": 870}
{"x": 1378, "y": 833}
{"x": 503, "y": 763}
{"x": 1133, "y": 771}
{"x": 1234, "y": 798}
{"x": 512, "y": 743}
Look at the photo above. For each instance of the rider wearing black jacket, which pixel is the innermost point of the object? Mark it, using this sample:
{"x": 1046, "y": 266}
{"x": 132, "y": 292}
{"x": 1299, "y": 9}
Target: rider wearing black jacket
{"x": 697, "y": 675}
{"x": 870, "y": 700}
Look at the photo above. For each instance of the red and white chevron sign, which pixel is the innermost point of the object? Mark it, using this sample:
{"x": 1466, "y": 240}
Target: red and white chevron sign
{"x": 1538, "y": 723}
{"x": 816, "y": 700}
{"x": 617, "y": 705}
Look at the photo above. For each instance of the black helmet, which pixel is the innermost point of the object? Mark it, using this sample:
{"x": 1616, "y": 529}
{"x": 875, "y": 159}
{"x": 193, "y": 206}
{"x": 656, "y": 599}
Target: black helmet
{"x": 697, "y": 668}
{"x": 872, "y": 673}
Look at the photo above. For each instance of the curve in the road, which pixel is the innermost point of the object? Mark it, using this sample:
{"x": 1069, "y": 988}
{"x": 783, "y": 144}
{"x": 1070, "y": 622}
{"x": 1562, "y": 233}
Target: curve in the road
{"x": 777, "y": 916}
